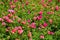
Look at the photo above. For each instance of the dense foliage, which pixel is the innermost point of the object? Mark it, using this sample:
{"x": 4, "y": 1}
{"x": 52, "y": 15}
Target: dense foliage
{"x": 29, "y": 19}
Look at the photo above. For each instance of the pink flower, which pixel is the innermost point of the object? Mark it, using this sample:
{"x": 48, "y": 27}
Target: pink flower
{"x": 34, "y": 18}
{"x": 42, "y": 36}
{"x": 27, "y": 2}
{"x": 16, "y": 28}
{"x": 13, "y": 31}
{"x": 49, "y": 0}
{"x": 15, "y": 17}
{"x": 3, "y": 24}
{"x": 19, "y": 20}
{"x": 28, "y": 20}
{"x": 19, "y": 27}
{"x": 23, "y": 22}
{"x": 10, "y": 3}
{"x": 9, "y": 15}
{"x": 48, "y": 12}
{"x": 1, "y": 19}
{"x": 12, "y": 6}
{"x": 7, "y": 30}
{"x": 22, "y": 5}
{"x": 20, "y": 31}
{"x": 28, "y": 11}
{"x": 50, "y": 32}
{"x": 45, "y": 24}
{"x": 44, "y": 5}
{"x": 57, "y": 8}
{"x": 40, "y": 12}
{"x": 30, "y": 38}
{"x": 5, "y": 17}
{"x": 41, "y": 26}
{"x": 33, "y": 25}
{"x": 29, "y": 34}
{"x": 15, "y": 0}
{"x": 9, "y": 21}
{"x": 12, "y": 11}
{"x": 39, "y": 17}
{"x": 42, "y": 1}
{"x": 50, "y": 21}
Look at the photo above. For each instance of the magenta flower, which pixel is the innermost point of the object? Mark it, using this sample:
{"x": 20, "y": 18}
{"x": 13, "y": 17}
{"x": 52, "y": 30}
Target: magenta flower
{"x": 27, "y": 2}
{"x": 23, "y": 22}
{"x": 16, "y": 28}
{"x": 42, "y": 1}
{"x": 29, "y": 34}
{"x": 3, "y": 24}
{"x": 44, "y": 5}
{"x": 57, "y": 8}
{"x": 41, "y": 26}
{"x": 28, "y": 11}
{"x": 19, "y": 27}
{"x": 10, "y": 3}
{"x": 13, "y": 31}
{"x": 42, "y": 36}
{"x": 30, "y": 38}
{"x": 15, "y": 0}
{"x": 20, "y": 31}
{"x": 28, "y": 20}
{"x": 7, "y": 30}
{"x": 49, "y": 0}
{"x": 40, "y": 12}
{"x": 19, "y": 20}
{"x": 12, "y": 11}
{"x": 34, "y": 18}
{"x": 48, "y": 12}
{"x": 33, "y": 25}
{"x": 50, "y": 32}
{"x": 9, "y": 21}
{"x": 45, "y": 24}
{"x": 12, "y": 6}
{"x": 5, "y": 17}
{"x": 50, "y": 21}
{"x": 0, "y": 19}
{"x": 39, "y": 17}
{"x": 9, "y": 15}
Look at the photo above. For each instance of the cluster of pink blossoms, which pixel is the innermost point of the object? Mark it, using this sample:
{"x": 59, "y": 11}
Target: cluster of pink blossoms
{"x": 7, "y": 19}
{"x": 19, "y": 29}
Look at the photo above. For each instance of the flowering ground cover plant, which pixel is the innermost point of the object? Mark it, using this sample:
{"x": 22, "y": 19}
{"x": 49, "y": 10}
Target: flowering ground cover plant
{"x": 29, "y": 19}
